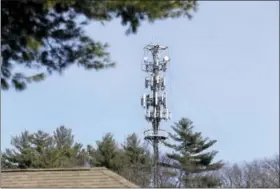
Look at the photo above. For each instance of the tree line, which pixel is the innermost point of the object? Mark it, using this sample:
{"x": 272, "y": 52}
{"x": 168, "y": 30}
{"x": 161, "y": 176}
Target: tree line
{"x": 189, "y": 164}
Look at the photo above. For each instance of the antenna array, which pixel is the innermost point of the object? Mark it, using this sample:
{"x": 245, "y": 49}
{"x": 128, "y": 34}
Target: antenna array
{"x": 155, "y": 103}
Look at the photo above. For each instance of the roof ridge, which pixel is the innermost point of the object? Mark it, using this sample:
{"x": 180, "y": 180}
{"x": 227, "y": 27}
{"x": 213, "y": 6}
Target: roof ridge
{"x": 54, "y": 169}
{"x": 119, "y": 178}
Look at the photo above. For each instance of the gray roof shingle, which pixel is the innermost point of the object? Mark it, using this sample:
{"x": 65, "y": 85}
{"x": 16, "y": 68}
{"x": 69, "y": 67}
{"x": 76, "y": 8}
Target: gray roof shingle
{"x": 97, "y": 177}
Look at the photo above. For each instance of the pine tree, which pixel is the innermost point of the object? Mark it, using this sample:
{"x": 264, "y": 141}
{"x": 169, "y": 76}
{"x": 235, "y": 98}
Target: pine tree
{"x": 42, "y": 143}
{"x": 107, "y": 154}
{"x": 63, "y": 142}
{"x": 138, "y": 161}
{"x": 190, "y": 155}
{"x": 67, "y": 152}
{"x": 21, "y": 155}
{"x": 63, "y": 137}
{"x": 42, "y": 150}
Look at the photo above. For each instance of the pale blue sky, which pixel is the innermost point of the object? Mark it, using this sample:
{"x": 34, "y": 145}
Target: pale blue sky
{"x": 223, "y": 75}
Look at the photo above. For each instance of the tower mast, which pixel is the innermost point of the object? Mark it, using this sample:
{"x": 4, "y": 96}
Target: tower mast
{"x": 155, "y": 102}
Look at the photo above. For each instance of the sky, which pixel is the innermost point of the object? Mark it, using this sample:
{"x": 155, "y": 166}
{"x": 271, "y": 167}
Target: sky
{"x": 223, "y": 75}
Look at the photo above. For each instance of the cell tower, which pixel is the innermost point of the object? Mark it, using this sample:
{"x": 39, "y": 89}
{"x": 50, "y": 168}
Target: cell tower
{"x": 155, "y": 103}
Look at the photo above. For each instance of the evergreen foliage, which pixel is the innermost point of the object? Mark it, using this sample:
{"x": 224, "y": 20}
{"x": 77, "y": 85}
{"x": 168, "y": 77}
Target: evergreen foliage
{"x": 48, "y": 36}
{"x": 41, "y": 150}
{"x": 190, "y": 155}
{"x": 107, "y": 154}
{"x": 138, "y": 161}
{"x": 190, "y": 165}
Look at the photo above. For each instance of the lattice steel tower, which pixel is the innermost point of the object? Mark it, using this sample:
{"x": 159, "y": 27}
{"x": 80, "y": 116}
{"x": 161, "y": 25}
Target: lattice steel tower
{"x": 155, "y": 103}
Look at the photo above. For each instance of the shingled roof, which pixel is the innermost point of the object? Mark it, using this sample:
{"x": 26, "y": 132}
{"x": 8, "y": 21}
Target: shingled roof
{"x": 98, "y": 177}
